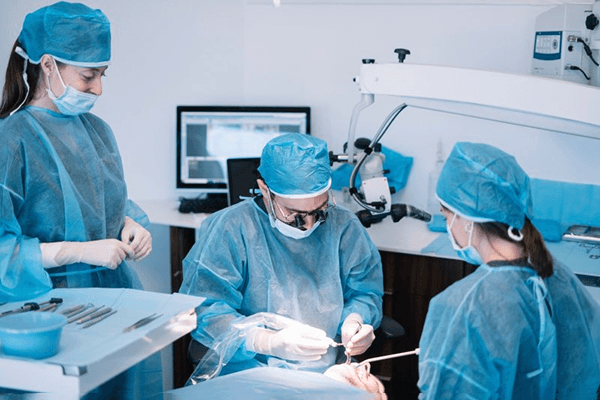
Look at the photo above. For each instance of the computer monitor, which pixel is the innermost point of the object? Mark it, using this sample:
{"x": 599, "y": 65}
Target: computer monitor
{"x": 209, "y": 135}
{"x": 241, "y": 177}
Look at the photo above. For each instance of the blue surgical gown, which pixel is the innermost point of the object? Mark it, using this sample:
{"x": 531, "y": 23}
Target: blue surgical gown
{"x": 481, "y": 335}
{"x": 61, "y": 179}
{"x": 244, "y": 266}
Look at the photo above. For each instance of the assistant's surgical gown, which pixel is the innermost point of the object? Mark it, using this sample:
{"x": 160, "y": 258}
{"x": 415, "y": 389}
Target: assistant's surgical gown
{"x": 244, "y": 266}
{"x": 481, "y": 336}
{"x": 61, "y": 179}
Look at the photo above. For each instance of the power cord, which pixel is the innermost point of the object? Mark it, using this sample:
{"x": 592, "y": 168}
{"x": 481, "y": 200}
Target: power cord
{"x": 588, "y": 51}
{"x": 576, "y": 68}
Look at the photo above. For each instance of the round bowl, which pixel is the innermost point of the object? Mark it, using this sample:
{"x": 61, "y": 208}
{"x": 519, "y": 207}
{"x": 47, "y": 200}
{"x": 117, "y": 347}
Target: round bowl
{"x": 31, "y": 334}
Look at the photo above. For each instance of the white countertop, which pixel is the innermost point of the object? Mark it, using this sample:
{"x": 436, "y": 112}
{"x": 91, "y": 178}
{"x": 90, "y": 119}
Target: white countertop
{"x": 407, "y": 236}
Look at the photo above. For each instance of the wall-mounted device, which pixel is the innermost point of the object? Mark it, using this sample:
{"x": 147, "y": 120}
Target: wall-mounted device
{"x": 566, "y": 44}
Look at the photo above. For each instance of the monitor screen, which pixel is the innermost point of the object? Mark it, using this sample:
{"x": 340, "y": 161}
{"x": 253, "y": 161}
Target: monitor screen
{"x": 209, "y": 135}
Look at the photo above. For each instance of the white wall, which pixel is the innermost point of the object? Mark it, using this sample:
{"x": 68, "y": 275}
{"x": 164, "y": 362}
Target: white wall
{"x": 234, "y": 52}
{"x": 227, "y": 52}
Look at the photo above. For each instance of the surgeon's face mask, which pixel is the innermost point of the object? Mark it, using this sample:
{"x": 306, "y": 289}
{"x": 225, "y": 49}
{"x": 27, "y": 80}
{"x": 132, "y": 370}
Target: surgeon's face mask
{"x": 72, "y": 101}
{"x": 468, "y": 253}
{"x": 297, "y": 231}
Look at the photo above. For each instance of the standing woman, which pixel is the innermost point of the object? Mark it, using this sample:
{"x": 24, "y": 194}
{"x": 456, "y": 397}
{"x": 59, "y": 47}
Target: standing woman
{"x": 522, "y": 326}
{"x": 65, "y": 217}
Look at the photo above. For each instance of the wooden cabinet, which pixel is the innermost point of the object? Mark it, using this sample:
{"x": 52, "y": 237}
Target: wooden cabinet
{"x": 410, "y": 281}
{"x": 182, "y": 240}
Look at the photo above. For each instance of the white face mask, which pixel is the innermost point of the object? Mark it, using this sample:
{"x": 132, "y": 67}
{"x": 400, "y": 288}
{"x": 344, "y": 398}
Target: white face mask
{"x": 468, "y": 253}
{"x": 286, "y": 229}
{"x": 72, "y": 101}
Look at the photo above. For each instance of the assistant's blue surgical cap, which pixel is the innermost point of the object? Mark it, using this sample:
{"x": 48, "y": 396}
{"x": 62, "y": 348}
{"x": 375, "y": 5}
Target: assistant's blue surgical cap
{"x": 483, "y": 184}
{"x": 296, "y": 165}
{"x": 72, "y": 33}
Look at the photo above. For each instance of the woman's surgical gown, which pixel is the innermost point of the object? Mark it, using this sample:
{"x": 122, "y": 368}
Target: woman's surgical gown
{"x": 482, "y": 338}
{"x": 244, "y": 266}
{"x": 61, "y": 179}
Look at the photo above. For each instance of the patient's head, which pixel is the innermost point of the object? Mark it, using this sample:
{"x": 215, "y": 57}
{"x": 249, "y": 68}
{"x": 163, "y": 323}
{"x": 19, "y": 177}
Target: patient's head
{"x": 358, "y": 377}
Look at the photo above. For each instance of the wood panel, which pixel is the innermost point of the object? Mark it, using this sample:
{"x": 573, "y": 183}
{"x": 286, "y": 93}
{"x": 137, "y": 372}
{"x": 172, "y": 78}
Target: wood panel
{"x": 182, "y": 240}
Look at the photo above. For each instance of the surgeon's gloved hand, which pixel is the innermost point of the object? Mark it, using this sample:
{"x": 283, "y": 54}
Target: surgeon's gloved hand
{"x": 138, "y": 237}
{"x": 106, "y": 253}
{"x": 296, "y": 343}
{"x": 356, "y": 336}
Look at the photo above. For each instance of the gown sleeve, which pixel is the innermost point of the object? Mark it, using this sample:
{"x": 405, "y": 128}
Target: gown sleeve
{"x": 22, "y": 275}
{"x": 362, "y": 275}
{"x": 135, "y": 212}
{"x": 219, "y": 276}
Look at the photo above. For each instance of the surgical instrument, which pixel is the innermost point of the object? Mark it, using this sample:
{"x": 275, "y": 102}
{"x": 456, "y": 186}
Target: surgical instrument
{"x": 346, "y": 352}
{"x": 142, "y": 322}
{"x": 98, "y": 319}
{"x": 97, "y": 314}
{"x": 85, "y": 314}
{"x": 31, "y": 306}
{"x": 71, "y": 312}
{"x": 408, "y": 353}
{"x": 51, "y": 305}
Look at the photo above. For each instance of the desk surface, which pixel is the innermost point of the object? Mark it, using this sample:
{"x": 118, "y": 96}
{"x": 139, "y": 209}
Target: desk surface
{"x": 407, "y": 236}
{"x": 89, "y": 357}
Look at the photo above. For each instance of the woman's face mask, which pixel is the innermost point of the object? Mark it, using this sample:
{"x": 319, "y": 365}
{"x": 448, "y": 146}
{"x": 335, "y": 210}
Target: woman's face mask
{"x": 467, "y": 253}
{"x": 72, "y": 101}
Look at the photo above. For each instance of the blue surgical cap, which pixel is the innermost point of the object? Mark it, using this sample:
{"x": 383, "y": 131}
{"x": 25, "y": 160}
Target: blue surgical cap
{"x": 72, "y": 33}
{"x": 482, "y": 183}
{"x": 296, "y": 165}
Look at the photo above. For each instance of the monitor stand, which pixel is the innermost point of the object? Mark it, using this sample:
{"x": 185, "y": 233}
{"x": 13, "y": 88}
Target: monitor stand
{"x": 211, "y": 203}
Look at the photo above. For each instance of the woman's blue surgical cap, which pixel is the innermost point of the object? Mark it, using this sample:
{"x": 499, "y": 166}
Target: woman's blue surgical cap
{"x": 483, "y": 184}
{"x": 72, "y": 33}
{"x": 296, "y": 165}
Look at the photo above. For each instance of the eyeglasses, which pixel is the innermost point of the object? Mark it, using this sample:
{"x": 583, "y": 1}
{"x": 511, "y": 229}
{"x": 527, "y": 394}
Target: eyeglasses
{"x": 296, "y": 219}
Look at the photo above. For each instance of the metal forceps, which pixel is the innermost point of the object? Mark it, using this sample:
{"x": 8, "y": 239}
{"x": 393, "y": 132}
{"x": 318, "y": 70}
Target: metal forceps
{"x": 142, "y": 322}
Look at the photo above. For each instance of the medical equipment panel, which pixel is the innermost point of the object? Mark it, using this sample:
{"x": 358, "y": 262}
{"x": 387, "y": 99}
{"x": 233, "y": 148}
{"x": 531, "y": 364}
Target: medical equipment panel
{"x": 208, "y": 135}
{"x": 562, "y": 44}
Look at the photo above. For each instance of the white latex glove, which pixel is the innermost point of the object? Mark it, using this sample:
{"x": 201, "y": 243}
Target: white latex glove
{"x": 106, "y": 253}
{"x": 138, "y": 238}
{"x": 297, "y": 343}
{"x": 356, "y": 336}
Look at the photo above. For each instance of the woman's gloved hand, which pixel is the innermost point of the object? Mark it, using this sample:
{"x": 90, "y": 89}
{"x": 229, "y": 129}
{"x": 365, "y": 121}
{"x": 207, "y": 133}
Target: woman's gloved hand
{"x": 356, "y": 336}
{"x": 298, "y": 342}
{"x": 138, "y": 237}
{"x": 106, "y": 253}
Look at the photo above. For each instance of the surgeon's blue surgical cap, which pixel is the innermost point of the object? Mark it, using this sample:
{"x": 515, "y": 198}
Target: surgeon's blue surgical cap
{"x": 72, "y": 33}
{"x": 482, "y": 183}
{"x": 296, "y": 165}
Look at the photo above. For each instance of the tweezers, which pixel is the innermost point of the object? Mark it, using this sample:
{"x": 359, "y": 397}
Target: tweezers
{"x": 142, "y": 322}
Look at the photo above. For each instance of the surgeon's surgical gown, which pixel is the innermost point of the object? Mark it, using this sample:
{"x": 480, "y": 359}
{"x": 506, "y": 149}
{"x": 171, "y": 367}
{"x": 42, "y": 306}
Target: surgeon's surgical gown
{"x": 481, "y": 334}
{"x": 244, "y": 266}
{"x": 61, "y": 179}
